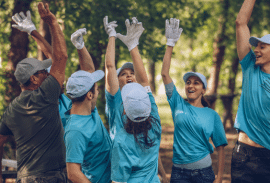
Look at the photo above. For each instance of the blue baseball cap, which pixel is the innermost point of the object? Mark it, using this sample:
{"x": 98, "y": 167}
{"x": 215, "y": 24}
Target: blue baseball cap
{"x": 202, "y": 77}
{"x": 81, "y": 82}
{"x": 136, "y": 102}
{"x": 254, "y": 40}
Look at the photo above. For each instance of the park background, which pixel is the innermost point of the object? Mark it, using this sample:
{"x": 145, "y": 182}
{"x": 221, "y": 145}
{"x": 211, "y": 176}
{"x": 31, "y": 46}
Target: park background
{"x": 207, "y": 45}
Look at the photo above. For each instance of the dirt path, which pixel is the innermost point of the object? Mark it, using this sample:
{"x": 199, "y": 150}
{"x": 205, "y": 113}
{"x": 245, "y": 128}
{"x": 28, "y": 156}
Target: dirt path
{"x": 166, "y": 152}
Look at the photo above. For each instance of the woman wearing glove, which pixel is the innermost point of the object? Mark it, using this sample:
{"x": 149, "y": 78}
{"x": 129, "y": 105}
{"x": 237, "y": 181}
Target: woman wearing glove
{"x": 194, "y": 122}
{"x": 135, "y": 115}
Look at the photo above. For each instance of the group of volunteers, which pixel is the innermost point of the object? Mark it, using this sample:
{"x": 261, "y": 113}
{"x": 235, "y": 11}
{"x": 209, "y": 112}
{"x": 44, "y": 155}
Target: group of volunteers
{"x": 63, "y": 139}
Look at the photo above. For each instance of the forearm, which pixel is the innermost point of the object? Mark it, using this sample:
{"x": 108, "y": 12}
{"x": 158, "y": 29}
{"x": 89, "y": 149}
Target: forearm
{"x": 42, "y": 44}
{"x": 166, "y": 65}
{"x": 221, "y": 162}
{"x": 111, "y": 81}
{"x": 59, "y": 49}
{"x": 85, "y": 59}
{"x": 139, "y": 69}
{"x": 245, "y": 12}
{"x": 161, "y": 170}
{"x": 75, "y": 174}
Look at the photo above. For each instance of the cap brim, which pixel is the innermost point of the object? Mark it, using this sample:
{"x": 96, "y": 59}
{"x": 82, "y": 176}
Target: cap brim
{"x": 46, "y": 63}
{"x": 127, "y": 65}
{"x": 254, "y": 41}
{"x": 189, "y": 74}
{"x": 97, "y": 75}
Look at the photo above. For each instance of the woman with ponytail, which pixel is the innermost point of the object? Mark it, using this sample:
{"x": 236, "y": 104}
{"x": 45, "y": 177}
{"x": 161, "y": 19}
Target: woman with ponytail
{"x": 194, "y": 123}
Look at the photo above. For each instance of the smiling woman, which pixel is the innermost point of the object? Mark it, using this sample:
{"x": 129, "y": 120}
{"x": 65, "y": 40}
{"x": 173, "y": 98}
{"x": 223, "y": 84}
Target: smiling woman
{"x": 194, "y": 122}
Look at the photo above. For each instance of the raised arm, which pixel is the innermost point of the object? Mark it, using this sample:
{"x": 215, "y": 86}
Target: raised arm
{"x": 131, "y": 40}
{"x": 111, "y": 80}
{"x": 172, "y": 33}
{"x": 85, "y": 59}
{"x": 242, "y": 30}
{"x": 59, "y": 49}
{"x": 25, "y": 24}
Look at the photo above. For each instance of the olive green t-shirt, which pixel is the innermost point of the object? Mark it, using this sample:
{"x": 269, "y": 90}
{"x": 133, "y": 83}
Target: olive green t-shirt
{"x": 33, "y": 118}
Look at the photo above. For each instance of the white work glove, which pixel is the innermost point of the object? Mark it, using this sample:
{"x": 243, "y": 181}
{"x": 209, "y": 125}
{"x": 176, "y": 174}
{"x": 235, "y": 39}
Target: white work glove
{"x": 77, "y": 38}
{"x": 134, "y": 32}
{"x": 110, "y": 27}
{"x": 25, "y": 23}
{"x": 172, "y": 31}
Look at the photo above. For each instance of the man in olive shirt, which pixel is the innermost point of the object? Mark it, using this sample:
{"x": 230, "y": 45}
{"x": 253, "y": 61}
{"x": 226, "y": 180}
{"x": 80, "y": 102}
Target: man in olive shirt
{"x": 33, "y": 117}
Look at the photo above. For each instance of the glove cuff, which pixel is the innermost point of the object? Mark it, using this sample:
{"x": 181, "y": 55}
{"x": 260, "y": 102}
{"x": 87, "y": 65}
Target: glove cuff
{"x": 80, "y": 46}
{"x": 170, "y": 42}
{"x": 131, "y": 47}
{"x": 31, "y": 29}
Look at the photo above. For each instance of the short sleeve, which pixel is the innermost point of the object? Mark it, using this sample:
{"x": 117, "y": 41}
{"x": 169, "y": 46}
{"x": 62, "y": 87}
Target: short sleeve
{"x": 121, "y": 163}
{"x": 169, "y": 89}
{"x": 76, "y": 145}
{"x": 51, "y": 89}
{"x": 218, "y": 135}
{"x": 248, "y": 61}
{"x": 4, "y": 130}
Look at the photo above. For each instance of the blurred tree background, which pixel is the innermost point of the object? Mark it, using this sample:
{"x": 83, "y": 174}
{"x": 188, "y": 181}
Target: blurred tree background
{"x": 207, "y": 44}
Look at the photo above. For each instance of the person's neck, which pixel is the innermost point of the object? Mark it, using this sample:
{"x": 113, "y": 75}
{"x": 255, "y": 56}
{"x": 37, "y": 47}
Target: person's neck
{"x": 195, "y": 103}
{"x": 266, "y": 68}
{"x": 81, "y": 108}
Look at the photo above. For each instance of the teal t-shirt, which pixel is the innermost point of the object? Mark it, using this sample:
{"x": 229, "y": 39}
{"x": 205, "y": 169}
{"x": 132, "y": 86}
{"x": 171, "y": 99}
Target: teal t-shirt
{"x": 193, "y": 126}
{"x": 64, "y": 104}
{"x": 89, "y": 144}
{"x": 114, "y": 111}
{"x": 131, "y": 163}
{"x": 253, "y": 115}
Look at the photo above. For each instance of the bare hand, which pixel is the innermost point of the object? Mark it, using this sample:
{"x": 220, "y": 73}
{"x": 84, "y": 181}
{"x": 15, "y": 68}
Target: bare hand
{"x": 46, "y": 14}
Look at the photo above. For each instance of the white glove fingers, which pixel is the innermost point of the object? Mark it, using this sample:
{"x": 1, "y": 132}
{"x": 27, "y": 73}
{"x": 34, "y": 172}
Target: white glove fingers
{"x": 15, "y": 26}
{"x": 180, "y": 31}
{"x": 134, "y": 20}
{"x": 167, "y": 24}
{"x": 105, "y": 21}
{"x": 114, "y": 25}
{"x": 177, "y": 23}
{"x": 22, "y": 15}
{"x": 83, "y": 31}
{"x": 113, "y": 22}
{"x": 17, "y": 18}
{"x": 120, "y": 36}
{"x": 171, "y": 22}
{"x": 127, "y": 23}
{"x": 28, "y": 15}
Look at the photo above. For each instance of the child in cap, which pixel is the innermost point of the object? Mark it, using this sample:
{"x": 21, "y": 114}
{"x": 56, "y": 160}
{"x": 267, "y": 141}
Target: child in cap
{"x": 194, "y": 122}
{"x": 88, "y": 144}
{"x": 251, "y": 154}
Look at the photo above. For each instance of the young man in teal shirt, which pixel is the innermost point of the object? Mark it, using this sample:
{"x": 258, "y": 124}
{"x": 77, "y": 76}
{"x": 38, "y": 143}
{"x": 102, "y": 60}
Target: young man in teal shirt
{"x": 251, "y": 155}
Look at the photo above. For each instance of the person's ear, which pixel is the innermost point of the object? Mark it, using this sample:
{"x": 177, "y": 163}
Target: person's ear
{"x": 203, "y": 92}
{"x": 33, "y": 79}
{"x": 90, "y": 95}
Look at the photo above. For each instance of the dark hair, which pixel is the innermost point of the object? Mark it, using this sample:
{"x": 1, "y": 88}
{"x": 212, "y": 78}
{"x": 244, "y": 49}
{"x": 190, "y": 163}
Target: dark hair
{"x": 81, "y": 98}
{"x": 140, "y": 131}
{"x": 205, "y": 103}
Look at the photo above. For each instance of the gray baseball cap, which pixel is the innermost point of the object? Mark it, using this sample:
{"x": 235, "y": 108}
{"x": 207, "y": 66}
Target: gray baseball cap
{"x": 29, "y": 66}
{"x": 127, "y": 65}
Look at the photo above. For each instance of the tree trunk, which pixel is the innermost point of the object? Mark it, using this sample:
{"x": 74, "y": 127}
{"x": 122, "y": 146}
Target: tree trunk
{"x": 152, "y": 75}
{"x": 18, "y": 50}
{"x": 219, "y": 52}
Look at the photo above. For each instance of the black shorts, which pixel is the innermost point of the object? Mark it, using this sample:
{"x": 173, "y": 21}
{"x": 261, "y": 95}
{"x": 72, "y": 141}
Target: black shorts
{"x": 250, "y": 164}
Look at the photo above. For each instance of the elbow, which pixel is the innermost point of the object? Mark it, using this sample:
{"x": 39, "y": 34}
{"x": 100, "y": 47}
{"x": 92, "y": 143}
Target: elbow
{"x": 164, "y": 75}
{"x": 239, "y": 22}
{"x": 72, "y": 177}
